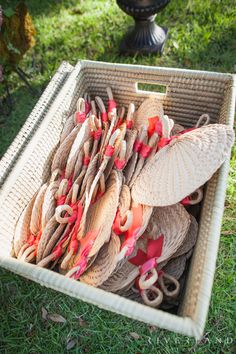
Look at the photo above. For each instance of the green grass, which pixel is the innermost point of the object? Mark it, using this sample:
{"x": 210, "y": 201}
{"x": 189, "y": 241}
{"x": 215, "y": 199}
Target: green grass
{"x": 202, "y": 35}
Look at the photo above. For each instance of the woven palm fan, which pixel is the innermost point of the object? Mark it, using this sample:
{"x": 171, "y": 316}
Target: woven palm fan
{"x": 22, "y": 230}
{"x": 106, "y": 158}
{"x": 78, "y": 165}
{"x": 130, "y": 116}
{"x": 104, "y": 263}
{"x": 130, "y": 167}
{"x": 177, "y": 128}
{"x": 98, "y": 221}
{"x": 175, "y": 267}
{"x": 120, "y": 116}
{"x": 130, "y": 138}
{"x": 96, "y": 127}
{"x": 36, "y": 221}
{"x": 184, "y": 165}
{"x": 128, "y": 245}
{"x": 35, "y": 226}
{"x": 119, "y": 143}
{"x": 173, "y": 223}
{"x": 125, "y": 199}
{"x": 66, "y": 214}
{"x": 63, "y": 151}
{"x": 90, "y": 173}
{"x": 111, "y": 117}
{"x": 76, "y": 118}
{"x": 101, "y": 215}
{"x": 167, "y": 126}
{"x": 47, "y": 233}
{"x": 120, "y": 278}
{"x": 190, "y": 239}
{"x": 150, "y": 108}
{"x": 82, "y": 136}
{"x": 49, "y": 202}
{"x": 147, "y": 151}
{"x": 82, "y": 183}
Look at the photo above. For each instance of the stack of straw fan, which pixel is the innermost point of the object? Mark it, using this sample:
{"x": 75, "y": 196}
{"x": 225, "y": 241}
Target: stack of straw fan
{"x": 115, "y": 212}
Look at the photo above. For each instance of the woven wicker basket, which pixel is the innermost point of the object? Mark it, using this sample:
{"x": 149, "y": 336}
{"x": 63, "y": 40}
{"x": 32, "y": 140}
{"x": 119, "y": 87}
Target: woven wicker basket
{"x": 27, "y": 162}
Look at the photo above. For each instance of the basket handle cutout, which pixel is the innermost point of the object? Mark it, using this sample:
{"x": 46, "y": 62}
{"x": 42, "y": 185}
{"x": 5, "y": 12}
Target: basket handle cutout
{"x": 151, "y": 88}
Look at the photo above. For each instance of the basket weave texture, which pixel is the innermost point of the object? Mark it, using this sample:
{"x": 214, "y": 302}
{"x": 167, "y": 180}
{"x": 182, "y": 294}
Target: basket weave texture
{"x": 26, "y": 165}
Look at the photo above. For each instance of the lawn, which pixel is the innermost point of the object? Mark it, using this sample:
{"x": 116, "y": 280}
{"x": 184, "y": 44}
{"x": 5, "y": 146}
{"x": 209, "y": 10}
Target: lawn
{"x": 202, "y": 36}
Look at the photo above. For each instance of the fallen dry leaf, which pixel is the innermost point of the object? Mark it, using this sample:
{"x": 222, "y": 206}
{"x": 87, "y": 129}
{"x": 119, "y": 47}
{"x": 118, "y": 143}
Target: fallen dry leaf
{"x": 152, "y": 329}
{"x": 134, "y": 335}
{"x": 56, "y": 318}
{"x": 71, "y": 343}
{"x": 44, "y": 313}
{"x": 82, "y": 322}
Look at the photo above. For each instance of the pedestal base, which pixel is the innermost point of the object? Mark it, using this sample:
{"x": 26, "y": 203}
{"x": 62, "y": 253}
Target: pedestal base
{"x": 146, "y": 37}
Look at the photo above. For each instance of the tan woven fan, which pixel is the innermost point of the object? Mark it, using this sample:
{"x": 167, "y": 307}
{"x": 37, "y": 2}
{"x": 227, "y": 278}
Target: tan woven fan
{"x": 63, "y": 151}
{"x": 184, "y": 165}
{"x": 190, "y": 239}
{"x": 98, "y": 221}
{"x": 130, "y": 167}
{"x": 56, "y": 236}
{"x": 49, "y": 203}
{"x": 130, "y": 138}
{"x": 22, "y": 230}
{"x": 173, "y": 223}
{"x": 150, "y": 108}
{"x": 177, "y": 128}
{"x": 104, "y": 263}
{"x": 82, "y": 136}
{"x": 75, "y": 119}
{"x": 121, "y": 278}
{"x": 45, "y": 237}
{"x": 101, "y": 215}
{"x": 125, "y": 199}
{"x": 36, "y": 216}
{"x": 147, "y": 150}
{"x": 28, "y": 253}
{"x": 129, "y": 243}
{"x": 60, "y": 230}
{"x": 175, "y": 267}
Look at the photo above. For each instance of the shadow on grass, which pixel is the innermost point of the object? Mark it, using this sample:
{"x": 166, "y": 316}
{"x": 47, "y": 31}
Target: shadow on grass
{"x": 23, "y": 103}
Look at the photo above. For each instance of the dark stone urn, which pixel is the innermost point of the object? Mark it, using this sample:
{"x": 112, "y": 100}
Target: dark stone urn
{"x": 146, "y": 36}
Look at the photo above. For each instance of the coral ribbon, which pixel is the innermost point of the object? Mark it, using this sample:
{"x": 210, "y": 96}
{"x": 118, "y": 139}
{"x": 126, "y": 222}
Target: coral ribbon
{"x": 80, "y": 117}
{"x": 97, "y": 134}
{"x": 145, "y": 151}
{"x": 131, "y": 233}
{"x": 61, "y": 200}
{"x": 147, "y": 261}
{"x": 137, "y": 145}
{"x": 119, "y": 163}
{"x": 185, "y": 201}
{"x": 86, "y": 245}
{"x": 86, "y": 160}
{"x": 129, "y": 124}
{"x": 165, "y": 141}
{"x": 104, "y": 116}
{"x": 154, "y": 125}
{"x": 111, "y": 105}
{"x": 87, "y": 107}
{"x": 109, "y": 151}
